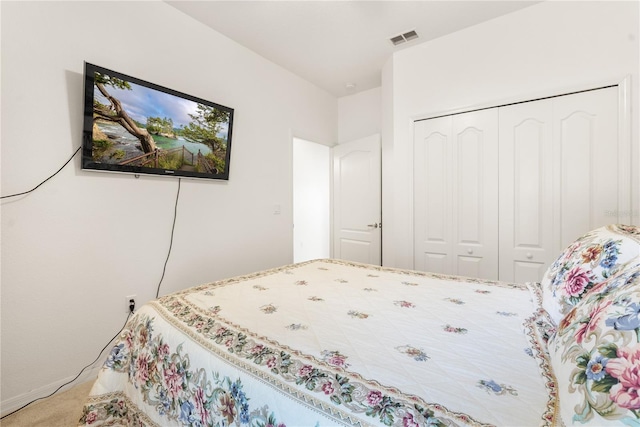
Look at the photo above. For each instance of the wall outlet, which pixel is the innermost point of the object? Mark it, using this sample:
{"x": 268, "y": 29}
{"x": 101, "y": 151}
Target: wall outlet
{"x": 129, "y": 298}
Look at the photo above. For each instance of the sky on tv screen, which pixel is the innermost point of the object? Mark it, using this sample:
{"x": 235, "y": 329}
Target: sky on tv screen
{"x": 141, "y": 102}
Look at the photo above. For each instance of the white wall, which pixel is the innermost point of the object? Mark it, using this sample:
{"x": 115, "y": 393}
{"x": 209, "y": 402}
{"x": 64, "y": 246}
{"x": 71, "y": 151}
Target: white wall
{"x": 359, "y": 115}
{"x": 543, "y": 49}
{"x": 311, "y": 200}
{"x": 72, "y": 250}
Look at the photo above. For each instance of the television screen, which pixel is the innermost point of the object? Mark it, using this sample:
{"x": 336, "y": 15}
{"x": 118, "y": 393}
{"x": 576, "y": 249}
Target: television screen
{"x": 134, "y": 126}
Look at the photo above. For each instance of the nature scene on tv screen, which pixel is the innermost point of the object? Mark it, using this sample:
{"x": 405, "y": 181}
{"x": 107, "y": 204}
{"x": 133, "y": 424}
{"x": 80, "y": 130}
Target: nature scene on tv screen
{"x": 139, "y": 126}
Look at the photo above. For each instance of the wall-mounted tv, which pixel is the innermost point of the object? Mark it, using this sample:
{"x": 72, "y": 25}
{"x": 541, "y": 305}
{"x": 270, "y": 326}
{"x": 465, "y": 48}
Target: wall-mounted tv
{"x": 138, "y": 127}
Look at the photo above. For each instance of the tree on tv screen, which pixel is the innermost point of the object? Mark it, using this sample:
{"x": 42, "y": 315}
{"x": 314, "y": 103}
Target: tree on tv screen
{"x": 205, "y": 128}
{"x": 115, "y": 113}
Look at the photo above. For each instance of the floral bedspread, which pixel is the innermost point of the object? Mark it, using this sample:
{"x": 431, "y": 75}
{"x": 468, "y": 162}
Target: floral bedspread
{"x": 326, "y": 343}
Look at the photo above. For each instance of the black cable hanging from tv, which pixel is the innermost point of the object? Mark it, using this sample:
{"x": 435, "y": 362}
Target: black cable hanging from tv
{"x": 36, "y": 187}
{"x": 173, "y": 227}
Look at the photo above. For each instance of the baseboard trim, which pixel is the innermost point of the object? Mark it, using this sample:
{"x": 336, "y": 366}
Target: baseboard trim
{"x": 11, "y": 404}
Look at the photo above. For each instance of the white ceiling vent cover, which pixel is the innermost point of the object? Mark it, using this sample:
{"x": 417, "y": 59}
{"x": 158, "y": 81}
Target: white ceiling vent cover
{"x": 405, "y": 37}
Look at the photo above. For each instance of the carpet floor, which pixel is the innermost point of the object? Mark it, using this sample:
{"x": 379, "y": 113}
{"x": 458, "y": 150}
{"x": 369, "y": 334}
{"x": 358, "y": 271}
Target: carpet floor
{"x": 60, "y": 410}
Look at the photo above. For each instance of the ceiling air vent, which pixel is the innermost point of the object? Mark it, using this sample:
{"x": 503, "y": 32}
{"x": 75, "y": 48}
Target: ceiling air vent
{"x": 405, "y": 37}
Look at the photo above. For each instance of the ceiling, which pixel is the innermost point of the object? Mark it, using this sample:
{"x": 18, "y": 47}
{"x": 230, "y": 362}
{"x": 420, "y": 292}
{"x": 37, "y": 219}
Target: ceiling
{"x": 340, "y": 46}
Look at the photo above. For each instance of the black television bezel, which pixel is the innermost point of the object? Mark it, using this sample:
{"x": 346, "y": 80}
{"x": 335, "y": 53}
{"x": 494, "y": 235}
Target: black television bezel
{"x": 87, "y": 134}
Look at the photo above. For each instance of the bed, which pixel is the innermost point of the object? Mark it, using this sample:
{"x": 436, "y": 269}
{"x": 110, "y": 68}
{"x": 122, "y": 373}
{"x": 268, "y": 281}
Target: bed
{"x": 336, "y": 343}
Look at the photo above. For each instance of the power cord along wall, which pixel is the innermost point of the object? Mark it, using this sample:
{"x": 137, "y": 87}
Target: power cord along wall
{"x": 132, "y": 304}
{"x": 54, "y": 174}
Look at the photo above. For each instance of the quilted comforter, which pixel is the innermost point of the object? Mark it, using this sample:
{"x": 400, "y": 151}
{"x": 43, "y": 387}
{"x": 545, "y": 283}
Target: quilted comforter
{"x": 326, "y": 343}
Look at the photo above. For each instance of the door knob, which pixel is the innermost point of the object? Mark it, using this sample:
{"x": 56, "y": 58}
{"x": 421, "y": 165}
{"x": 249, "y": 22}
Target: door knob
{"x": 375, "y": 225}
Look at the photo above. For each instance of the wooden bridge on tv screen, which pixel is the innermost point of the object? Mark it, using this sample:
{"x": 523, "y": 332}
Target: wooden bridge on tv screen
{"x": 199, "y": 161}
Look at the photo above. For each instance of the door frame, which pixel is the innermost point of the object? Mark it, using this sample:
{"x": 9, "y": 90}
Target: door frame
{"x": 328, "y": 202}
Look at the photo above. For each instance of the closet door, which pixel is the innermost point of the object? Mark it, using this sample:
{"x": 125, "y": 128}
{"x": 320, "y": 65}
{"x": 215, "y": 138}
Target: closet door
{"x": 432, "y": 200}
{"x": 563, "y": 172}
{"x": 475, "y": 194}
{"x": 592, "y": 170}
{"x": 456, "y": 194}
{"x": 526, "y": 190}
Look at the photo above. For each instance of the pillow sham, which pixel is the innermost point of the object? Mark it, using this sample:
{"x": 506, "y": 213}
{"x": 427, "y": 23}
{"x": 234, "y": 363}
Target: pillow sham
{"x": 591, "y": 259}
{"x": 595, "y": 355}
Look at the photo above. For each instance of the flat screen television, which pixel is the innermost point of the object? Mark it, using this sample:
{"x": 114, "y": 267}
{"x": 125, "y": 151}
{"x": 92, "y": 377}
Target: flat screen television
{"x": 131, "y": 125}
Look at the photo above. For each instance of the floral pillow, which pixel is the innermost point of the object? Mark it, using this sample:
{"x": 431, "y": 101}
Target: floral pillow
{"x": 591, "y": 259}
{"x": 595, "y": 355}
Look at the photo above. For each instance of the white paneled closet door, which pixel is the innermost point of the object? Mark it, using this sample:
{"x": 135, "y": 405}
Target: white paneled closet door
{"x": 563, "y": 172}
{"x": 593, "y": 164}
{"x": 526, "y": 190}
{"x": 432, "y": 196}
{"x": 563, "y": 167}
{"x": 456, "y": 194}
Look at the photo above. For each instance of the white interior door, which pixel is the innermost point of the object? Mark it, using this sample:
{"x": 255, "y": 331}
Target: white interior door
{"x": 357, "y": 182}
